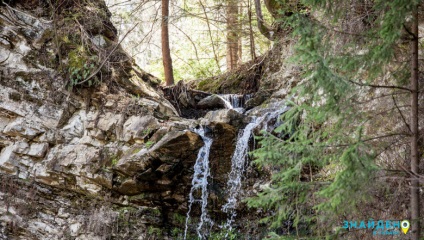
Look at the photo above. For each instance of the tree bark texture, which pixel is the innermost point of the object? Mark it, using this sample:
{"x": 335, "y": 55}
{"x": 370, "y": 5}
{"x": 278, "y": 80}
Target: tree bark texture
{"x": 166, "y": 51}
{"x": 251, "y": 38}
{"x": 263, "y": 28}
{"x": 415, "y": 194}
{"x": 232, "y": 34}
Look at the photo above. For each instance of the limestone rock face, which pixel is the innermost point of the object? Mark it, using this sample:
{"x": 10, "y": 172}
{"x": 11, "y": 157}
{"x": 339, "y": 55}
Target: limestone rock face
{"x": 91, "y": 161}
{"x": 159, "y": 167}
{"x": 109, "y": 158}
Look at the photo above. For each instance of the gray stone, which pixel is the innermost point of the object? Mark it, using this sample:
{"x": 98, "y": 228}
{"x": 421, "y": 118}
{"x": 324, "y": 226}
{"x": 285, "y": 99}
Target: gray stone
{"x": 139, "y": 127}
{"x": 8, "y": 159}
{"x": 186, "y": 100}
{"x": 108, "y": 121}
{"x": 75, "y": 126}
{"x": 20, "y": 147}
{"x": 38, "y": 150}
{"x": 211, "y": 102}
{"x": 24, "y": 128}
{"x": 4, "y": 121}
{"x": 228, "y": 116}
{"x": 99, "y": 41}
{"x": 258, "y": 99}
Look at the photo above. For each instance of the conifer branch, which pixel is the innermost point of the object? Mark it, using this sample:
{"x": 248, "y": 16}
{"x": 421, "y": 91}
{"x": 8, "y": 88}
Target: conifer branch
{"x": 380, "y": 86}
{"x": 401, "y": 114}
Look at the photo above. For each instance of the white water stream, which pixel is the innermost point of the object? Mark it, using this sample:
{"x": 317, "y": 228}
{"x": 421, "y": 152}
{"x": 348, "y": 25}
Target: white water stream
{"x": 234, "y": 101}
{"x": 200, "y": 183}
{"x": 238, "y": 165}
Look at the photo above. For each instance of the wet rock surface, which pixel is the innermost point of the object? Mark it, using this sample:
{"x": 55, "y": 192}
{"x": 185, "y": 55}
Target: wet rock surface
{"x": 228, "y": 116}
{"x": 211, "y": 102}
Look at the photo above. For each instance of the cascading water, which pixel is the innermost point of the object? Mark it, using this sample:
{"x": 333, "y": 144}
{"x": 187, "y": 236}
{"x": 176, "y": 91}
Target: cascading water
{"x": 237, "y": 169}
{"x": 200, "y": 183}
{"x": 234, "y": 101}
{"x": 238, "y": 163}
{"x": 228, "y": 104}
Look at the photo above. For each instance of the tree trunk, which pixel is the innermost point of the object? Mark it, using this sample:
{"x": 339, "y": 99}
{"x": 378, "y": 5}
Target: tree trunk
{"x": 251, "y": 38}
{"x": 240, "y": 43}
{"x": 264, "y": 29}
{"x": 232, "y": 34}
{"x": 210, "y": 36}
{"x": 415, "y": 194}
{"x": 166, "y": 51}
{"x": 272, "y": 6}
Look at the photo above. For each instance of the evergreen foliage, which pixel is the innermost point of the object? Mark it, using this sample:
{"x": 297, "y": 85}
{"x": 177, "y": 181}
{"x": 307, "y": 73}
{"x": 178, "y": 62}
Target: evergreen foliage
{"x": 326, "y": 162}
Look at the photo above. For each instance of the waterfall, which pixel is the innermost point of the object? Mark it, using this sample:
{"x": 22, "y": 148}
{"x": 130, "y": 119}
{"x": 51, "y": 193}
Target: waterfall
{"x": 227, "y": 103}
{"x": 237, "y": 168}
{"x": 234, "y": 101}
{"x": 238, "y": 163}
{"x": 200, "y": 182}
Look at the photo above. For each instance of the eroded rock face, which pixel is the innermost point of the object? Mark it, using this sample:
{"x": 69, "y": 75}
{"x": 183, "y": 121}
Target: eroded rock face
{"x": 159, "y": 167}
{"x": 72, "y": 159}
{"x": 257, "y": 100}
{"x": 116, "y": 152}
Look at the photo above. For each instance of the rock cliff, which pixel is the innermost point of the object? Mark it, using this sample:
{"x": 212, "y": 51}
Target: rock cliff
{"x": 102, "y": 158}
{"x": 83, "y": 161}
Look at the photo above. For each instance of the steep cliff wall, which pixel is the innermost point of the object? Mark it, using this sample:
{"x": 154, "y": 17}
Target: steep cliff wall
{"x": 89, "y": 146}
{"x": 105, "y": 158}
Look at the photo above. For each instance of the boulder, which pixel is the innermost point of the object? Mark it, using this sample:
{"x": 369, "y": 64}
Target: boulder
{"x": 228, "y": 116}
{"x": 38, "y": 149}
{"x": 155, "y": 167}
{"x": 211, "y": 102}
{"x": 138, "y": 128}
{"x": 259, "y": 98}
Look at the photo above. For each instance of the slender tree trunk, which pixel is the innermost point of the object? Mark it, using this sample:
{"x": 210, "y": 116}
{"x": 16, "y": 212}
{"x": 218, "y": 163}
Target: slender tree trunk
{"x": 210, "y": 36}
{"x": 251, "y": 38}
{"x": 263, "y": 28}
{"x": 232, "y": 34}
{"x": 166, "y": 51}
{"x": 415, "y": 194}
{"x": 272, "y": 6}
{"x": 240, "y": 43}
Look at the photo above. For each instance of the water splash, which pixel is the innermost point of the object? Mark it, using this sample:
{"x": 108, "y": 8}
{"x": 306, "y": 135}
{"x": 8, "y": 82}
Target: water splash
{"x": 235, "y": 101}
{"x": 238, "y": 163}
{"x": 200, "y": 183}
{"x": 226, "y": 101}
{"x": 237, "y": 168}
